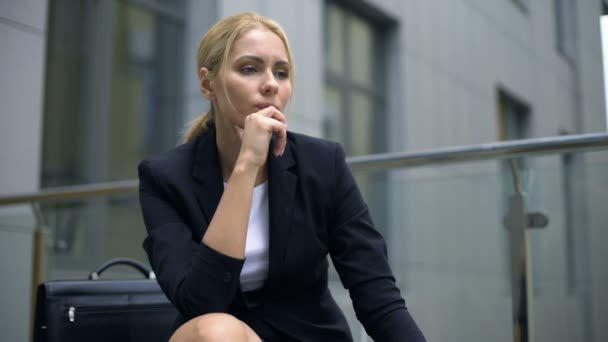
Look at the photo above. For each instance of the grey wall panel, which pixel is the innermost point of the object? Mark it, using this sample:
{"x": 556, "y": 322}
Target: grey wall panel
{"x": 30, "y": 13}
{"x": 200, "y": 16}
{"x": 22, "y": 72}
{"x": 15, "y": 294}
{"x": 21, "y": 66}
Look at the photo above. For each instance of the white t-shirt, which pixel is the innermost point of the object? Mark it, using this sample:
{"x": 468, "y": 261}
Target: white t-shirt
{"x": 255, "y": 268}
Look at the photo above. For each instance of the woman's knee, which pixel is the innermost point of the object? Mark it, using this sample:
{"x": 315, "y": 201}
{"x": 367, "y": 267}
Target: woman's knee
{"x": 220, "y": 327}
{"x": 213, "y": 327}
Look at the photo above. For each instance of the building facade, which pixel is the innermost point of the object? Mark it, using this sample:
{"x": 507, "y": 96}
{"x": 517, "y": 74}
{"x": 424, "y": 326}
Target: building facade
{"x": 92, "y": 87}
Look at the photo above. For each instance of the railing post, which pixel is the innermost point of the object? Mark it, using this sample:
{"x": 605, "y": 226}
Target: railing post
{"x": 517, "y": 221}
{"x": 39, "y": 261}
{"x": 521, "y": 270}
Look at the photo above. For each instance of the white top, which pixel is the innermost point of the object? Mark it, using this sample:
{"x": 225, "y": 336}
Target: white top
{"x": 255, "y": 268}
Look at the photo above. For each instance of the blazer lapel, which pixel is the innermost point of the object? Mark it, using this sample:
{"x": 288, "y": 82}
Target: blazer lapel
{"x": 282, "y": 183}
{"x": 281, "y": 193}
{"x": 209, "y": 184}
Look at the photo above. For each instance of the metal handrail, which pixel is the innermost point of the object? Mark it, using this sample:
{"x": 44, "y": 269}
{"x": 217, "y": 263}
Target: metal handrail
{"x": 494, "y": 150}
{"x": 382, "y": 161}
{"x": 73, "y": 192}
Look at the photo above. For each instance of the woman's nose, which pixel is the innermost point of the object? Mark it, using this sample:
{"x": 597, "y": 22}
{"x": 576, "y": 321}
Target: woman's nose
{"x": 270, "y": 84}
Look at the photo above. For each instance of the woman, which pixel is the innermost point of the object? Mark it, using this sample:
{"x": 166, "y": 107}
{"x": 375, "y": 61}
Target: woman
{"x": 241, "y": 217}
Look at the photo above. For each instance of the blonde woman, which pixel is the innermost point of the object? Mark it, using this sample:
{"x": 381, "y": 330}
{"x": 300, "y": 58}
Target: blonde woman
{"x": 242, "y": 216}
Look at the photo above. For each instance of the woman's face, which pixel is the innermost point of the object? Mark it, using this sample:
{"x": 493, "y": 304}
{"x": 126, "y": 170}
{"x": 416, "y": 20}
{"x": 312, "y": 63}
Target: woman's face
{"x": 257, "y": 75}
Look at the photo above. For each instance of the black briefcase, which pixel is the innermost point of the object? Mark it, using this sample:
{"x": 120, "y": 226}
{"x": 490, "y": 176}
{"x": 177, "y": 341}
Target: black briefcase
{"x": 103, "y": 310}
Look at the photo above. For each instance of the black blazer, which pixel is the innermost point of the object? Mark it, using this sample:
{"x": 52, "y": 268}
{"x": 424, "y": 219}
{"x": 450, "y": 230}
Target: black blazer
{"x": 315, "y": 209}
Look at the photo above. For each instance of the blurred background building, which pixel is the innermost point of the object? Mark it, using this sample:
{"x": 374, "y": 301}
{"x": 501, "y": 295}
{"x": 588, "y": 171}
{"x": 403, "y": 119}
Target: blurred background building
{"x": 89, "y": 88}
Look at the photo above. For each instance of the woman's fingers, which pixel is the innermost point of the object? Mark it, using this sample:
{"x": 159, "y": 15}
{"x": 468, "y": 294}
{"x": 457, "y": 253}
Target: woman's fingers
{"x": 273, "y": 112}
{"x": 257, "y": 132}
{"x": 280, "y": 129}
{"x": 270, "y": 126}
{"x": 278, "y": 125}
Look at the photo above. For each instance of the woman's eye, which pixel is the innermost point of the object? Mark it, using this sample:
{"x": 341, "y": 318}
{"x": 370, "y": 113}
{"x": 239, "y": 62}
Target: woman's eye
{"x": 281, "y": 74}
{"x": 248, "y": 69}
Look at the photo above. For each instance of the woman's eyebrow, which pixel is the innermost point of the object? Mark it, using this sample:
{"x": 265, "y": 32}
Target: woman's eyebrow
{"x": 255, "y": 58}
{"x": 260, "y": 60}
{"x": 281, "y": 63}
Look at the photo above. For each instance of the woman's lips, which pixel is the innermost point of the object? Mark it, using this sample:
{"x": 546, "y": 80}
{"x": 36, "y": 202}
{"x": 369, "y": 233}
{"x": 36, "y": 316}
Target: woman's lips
{"x": 263, "y": 105}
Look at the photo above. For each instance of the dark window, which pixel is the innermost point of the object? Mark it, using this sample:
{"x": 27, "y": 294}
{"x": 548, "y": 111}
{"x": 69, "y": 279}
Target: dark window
{"x": 514, "y": 124}
{"x": 356, "y": 48}
{"x": 113, "y": 95}
{"x": 565, "y": 28}
{"x": 113, "y": 87}
{"x": 355, "y": 101}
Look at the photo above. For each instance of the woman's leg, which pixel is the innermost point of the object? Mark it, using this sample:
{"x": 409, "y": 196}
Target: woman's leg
{"x": 214, "y": 327}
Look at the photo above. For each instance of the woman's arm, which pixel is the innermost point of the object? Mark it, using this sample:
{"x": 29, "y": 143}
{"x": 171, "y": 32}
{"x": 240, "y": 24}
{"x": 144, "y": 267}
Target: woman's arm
{"x": 202, "y": 276}
{"x": 196, "y": 278}
{"x": 358, "y": 252}
{"x": 227, "y": 232}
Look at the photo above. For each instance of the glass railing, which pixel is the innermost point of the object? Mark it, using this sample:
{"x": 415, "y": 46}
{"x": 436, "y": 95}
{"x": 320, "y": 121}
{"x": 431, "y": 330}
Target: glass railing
{"x": 84, "y": 233}
{"x": 466, "y": 267}
{"x": 450, "y": 247}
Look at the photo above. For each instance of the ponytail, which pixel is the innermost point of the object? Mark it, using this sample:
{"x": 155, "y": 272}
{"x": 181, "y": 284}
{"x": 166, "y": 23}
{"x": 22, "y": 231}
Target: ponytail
{"x": 199, "y": 125}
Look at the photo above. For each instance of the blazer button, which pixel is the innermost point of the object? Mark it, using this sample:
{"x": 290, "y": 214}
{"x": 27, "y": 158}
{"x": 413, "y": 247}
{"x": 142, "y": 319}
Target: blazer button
{"x": 227, "y": 277}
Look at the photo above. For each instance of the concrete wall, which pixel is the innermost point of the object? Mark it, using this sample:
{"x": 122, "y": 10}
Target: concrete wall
{"x": 23, "y": 37}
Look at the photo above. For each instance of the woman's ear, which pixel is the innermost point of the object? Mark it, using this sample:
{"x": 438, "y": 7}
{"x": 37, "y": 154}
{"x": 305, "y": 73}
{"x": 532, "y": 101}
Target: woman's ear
{"x": 206, "y": 84}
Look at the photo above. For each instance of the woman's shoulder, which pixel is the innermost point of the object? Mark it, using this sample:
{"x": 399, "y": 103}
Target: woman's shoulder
{"x": 179, "y": 157}
{"x": 306, "y": 143}
{"x": 315, "y": 155}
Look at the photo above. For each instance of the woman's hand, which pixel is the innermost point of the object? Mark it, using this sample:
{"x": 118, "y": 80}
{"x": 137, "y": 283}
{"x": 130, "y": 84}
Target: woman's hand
{"x": 256, "y": 135}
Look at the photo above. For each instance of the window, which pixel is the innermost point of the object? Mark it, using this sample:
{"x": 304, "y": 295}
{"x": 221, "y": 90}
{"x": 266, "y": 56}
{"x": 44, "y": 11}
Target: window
{"x": 512, "y": 117}
{"x": 356, "y": 51}
{"x": 113, "y": 85}
{"x": 565, "y": 28}
{"x": 513, "y": 121}
{"x": 354, "y": 83}
{"x": 113, "y": 95}
{"x": 604, "y": 44}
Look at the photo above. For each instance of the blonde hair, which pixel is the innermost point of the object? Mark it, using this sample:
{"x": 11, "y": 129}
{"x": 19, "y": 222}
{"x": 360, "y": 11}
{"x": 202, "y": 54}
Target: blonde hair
{"x": 214, "y": 51}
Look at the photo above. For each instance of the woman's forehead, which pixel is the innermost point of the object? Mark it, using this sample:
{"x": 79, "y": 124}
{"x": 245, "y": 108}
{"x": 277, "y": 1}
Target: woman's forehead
{"x": 259, "y": 42}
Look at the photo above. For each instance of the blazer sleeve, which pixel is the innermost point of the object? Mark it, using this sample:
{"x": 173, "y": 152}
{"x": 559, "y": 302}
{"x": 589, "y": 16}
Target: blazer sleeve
{"x": 358, "y": 252}
{"x": 195, "y": 278}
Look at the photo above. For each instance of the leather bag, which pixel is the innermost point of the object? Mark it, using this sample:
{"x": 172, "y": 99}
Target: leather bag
{"x": 103, "y": 310}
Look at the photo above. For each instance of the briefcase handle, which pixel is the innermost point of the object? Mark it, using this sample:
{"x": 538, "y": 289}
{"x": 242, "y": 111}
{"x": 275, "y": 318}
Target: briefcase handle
{"x": 122, "y": 261}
